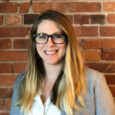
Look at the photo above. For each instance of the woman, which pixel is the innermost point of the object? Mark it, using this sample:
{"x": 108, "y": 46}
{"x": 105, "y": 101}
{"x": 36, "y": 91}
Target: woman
{"x": 56, "y": 81}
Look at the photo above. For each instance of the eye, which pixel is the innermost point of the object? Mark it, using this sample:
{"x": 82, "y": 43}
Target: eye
{"x": 57, "y": 36}
{"x": 42, "y": 36}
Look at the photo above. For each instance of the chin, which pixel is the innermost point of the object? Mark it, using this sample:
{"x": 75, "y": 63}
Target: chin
{"x": 53, "y": 62}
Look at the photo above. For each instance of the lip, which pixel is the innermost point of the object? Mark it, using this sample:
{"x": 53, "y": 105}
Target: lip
{"x": 50, "y": 52}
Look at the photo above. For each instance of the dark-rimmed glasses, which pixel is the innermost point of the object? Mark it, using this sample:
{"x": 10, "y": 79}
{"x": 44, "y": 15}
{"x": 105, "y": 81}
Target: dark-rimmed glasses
{"x": 42, "y": 38}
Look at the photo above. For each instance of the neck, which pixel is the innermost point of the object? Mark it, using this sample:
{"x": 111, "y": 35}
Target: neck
{"x": 52, "y": 71}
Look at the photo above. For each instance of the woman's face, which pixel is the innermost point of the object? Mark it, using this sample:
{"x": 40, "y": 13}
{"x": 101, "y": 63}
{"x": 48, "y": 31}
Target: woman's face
{"x": 50, "y": 52}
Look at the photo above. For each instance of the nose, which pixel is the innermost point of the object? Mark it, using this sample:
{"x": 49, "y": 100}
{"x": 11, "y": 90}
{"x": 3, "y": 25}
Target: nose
{"x": 50, "y": 42}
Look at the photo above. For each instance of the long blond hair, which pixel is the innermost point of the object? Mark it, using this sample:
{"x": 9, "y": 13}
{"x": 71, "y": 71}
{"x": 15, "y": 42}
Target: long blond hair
{"x": 70, "y": 84}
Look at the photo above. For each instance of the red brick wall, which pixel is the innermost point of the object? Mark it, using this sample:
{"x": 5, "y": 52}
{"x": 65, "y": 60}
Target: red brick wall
{"x": 94, "y": 23}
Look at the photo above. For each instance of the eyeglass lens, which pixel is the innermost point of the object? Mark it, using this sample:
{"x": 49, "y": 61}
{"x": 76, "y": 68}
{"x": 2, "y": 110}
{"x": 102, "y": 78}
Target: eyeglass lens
{"x": 42, "y": 38}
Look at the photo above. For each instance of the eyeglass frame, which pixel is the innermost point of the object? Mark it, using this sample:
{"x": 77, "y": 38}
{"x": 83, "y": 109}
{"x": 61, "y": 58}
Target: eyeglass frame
{"x": 51, "y": 36}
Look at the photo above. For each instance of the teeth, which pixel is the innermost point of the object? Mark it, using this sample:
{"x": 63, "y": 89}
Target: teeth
{"x": 50, "y": 52}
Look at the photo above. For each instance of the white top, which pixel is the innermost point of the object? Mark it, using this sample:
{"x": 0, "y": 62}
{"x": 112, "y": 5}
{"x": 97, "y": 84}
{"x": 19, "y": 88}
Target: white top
{"x": 47, "y": 109}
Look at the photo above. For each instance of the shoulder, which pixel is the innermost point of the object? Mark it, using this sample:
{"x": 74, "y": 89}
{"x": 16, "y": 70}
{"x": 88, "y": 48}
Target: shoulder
{"x": 93, "y": 79}
{"x": 93, "y": 75}
{"x": 98, "y": 93}
{"x": 21, "y": 76}
{"x": 14, "y": 110}
{"x": 18, "y": 80}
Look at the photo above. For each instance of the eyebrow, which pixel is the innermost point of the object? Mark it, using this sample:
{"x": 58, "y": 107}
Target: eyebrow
{"x": 50, "y": 34}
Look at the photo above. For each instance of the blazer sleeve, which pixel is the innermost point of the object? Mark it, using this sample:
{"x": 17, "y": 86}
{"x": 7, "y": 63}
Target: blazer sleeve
{"x": 14, "y": 110}
{"x": 103, "y": 97}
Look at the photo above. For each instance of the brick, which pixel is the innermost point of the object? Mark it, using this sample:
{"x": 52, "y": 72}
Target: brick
{"x": 109, "y": 6}
{"x": 13, "y": 55}
{"x": 110, "y": 79}
{"x": 1, "y": 20}
{"x": 7, "y": 80}
{"x": 40, "y": 7}
{"x": 97, "y": 19}
{"x": 81, "y": 19}
{"x": 111, "y": 18}
{"x": 5, "y": 44}
{"x": 30, "y": 18}
{"x": 92, "y": 43}
{"x": 108, "y": 55}
{"x": 4, "y": 113}
{"x": 2, "y": 104}
{"x": 5, "y": 68}
{"x": 84, "y": 7}
{"x": 21, "y": 43}
{"x": 99, "y": 43}
{"x": 107, "y": 31}
{"x": 86, "y": 31}
{"x": 13, "y": 20}
{"x": 80, "y": 42}
{"x": 102, "y": 67}
{"x": 5, "y": 92}
{"x": 24, "y": 7}
{"x": 108, "y": 43}
{"x": 19, "y": 67}
{"x": 13, "y": 31}
{"x": 91, "y": 55}
{"x": 7, "y": 7}
{"x": 8, "y": 104}
{"x": 112, "y": 89}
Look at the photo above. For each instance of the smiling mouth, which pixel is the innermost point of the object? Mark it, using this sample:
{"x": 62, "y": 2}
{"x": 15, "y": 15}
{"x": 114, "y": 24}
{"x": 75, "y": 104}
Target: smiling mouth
{"x": 50, "y": 52}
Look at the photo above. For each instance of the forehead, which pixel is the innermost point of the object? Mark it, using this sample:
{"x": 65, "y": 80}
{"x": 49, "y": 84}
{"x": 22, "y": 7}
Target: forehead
{"x": 48, "y": 26}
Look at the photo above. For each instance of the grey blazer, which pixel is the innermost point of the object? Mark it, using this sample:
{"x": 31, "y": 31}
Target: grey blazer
{"x": 98, "y": 98}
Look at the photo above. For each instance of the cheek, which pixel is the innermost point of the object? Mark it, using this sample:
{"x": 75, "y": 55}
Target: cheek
{"x": 63, "y": 50}
{"x": 39, "y": 48}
